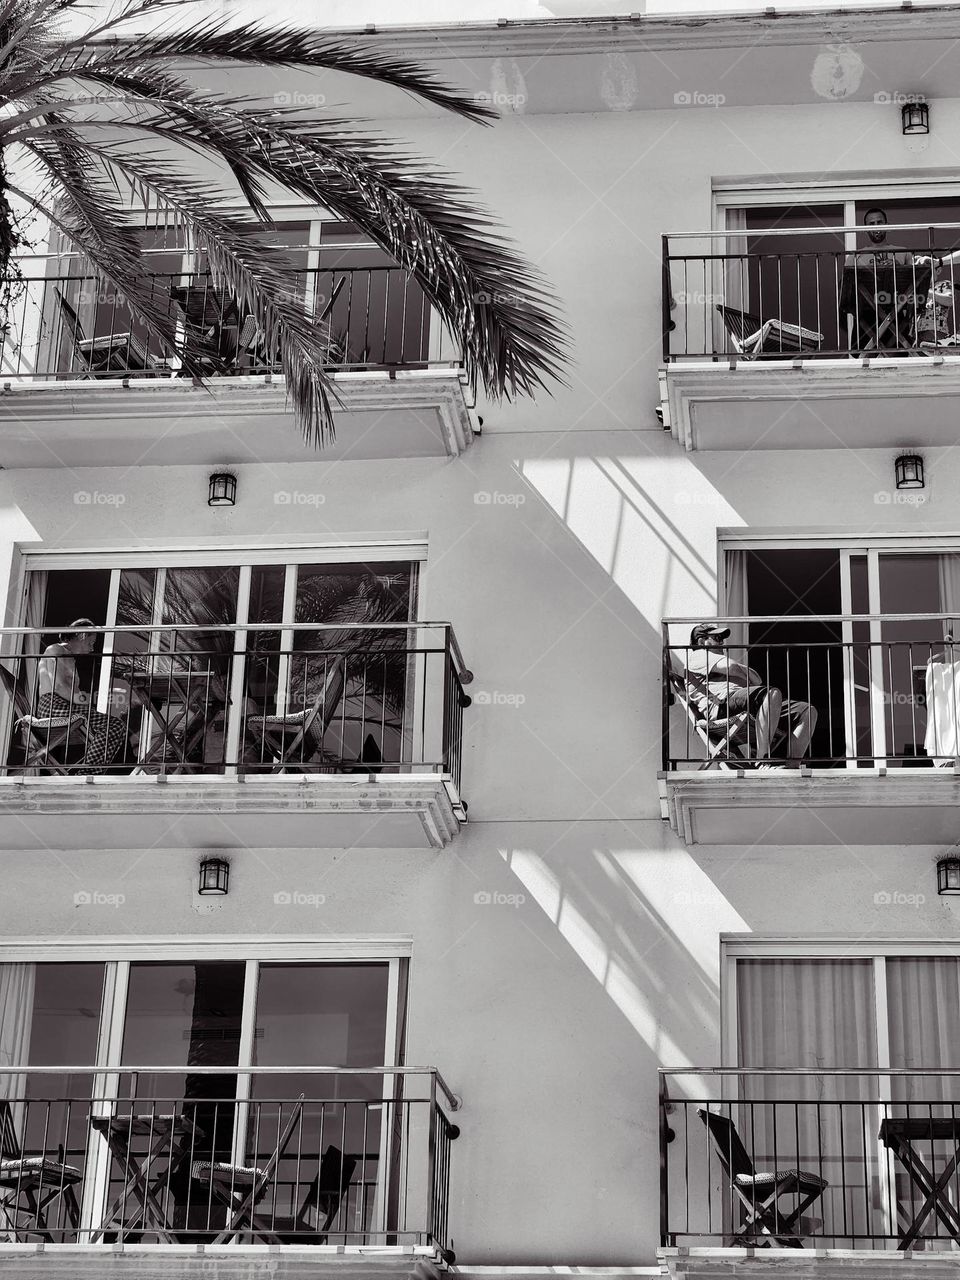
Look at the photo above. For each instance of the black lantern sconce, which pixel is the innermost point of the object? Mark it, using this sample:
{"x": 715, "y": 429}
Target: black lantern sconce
{"x": 223, "y": 490}
{"x": 948, "y": 877}
{"x": 915, "y": 117}
{"x": 908, "y": 470}
{"x": 214, "y": 876}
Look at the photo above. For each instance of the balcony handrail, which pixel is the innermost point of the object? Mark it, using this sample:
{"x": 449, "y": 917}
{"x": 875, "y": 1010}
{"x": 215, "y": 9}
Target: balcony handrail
{"x": 739, "y": 619}
{"x": 757, "y": 232}
{"x": 175, "y": 272}
{"x": 807, "y": 1071}
{"x": 165, "y": 628}
{"x": 125, "y": 1069}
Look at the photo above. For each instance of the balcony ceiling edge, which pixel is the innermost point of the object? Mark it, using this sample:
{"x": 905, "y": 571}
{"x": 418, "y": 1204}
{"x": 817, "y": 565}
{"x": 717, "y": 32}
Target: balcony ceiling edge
{"x": 824, "y": 1264}
{"x": 706, "y": 403}
{"x": 287, "y": 810}
{"x": 425, "y": 411}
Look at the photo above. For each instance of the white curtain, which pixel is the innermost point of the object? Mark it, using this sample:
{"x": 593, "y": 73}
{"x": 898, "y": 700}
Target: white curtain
{"x": 923, "y": 998}
{"x": 812, "y": 1013}
{"x": 735, "y": 285}
{"x": 34, "y": 615}
{"x": 17, "y": 982}
{"x": 949, "y": 571}
{"x": 735, "y": 593}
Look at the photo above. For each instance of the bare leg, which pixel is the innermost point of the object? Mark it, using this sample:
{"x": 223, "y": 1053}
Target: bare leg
{"x": 768, "y": 717}
{"x": 798, "y": 743}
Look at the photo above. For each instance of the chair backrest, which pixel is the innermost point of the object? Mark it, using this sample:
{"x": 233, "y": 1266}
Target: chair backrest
{"x": 739, "y": 324}
{"x": 9, "y": 1142}
{"x": 328, "y": 1188}
{"x": 13, "y": 691}
{"x": 266, "y": 1173}
{"x": 317, "y": 720}
{"x": 733, "y": 1154}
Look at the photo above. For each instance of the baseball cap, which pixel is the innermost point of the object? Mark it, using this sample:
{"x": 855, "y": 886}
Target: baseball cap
{"x": 703, "y": 629}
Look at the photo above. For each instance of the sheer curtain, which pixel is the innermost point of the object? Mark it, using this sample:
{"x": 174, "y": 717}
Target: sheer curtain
{"x": 735, "y": 593}
{"x": 923, "y": 999}
{"x": 949, "y": 573}
{"x": 17, "y": 983}
{"x": 811, "y": 1013}
{"x": 34, "y": 615}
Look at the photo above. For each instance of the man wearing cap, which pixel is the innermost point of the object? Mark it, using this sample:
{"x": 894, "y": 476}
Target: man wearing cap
{"x": 720, "y": 688}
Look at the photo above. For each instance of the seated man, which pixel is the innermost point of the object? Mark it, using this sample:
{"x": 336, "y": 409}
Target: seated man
{"x": 884, "y": 290}
{"x": 720, "y": 688}
{"x": 60, "y": 692}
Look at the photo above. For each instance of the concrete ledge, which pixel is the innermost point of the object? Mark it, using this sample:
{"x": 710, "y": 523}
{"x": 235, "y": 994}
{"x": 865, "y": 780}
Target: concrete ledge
{"x": 199, "y": 1262}
{"x": 811, "y": 404}
{"x": 329, "y": 811}
{"x": 813, "y": 806}
{"x": 810, "y": 1264}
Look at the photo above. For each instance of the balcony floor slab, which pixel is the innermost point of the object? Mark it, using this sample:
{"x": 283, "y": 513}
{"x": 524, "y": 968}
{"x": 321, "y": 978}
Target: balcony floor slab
{"x": 233, "y": 1262}
{"x": 125, "y": 422}
{"x": 895, "y": 806}
{"x": 811, "y": 404}
{"x": 808, "y": 1264}
{"x": 298, "y": 811}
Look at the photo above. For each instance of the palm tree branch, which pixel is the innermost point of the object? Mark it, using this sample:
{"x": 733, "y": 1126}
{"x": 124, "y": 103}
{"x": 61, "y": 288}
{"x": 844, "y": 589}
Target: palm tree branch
{"x": 477, "y": 281}
{"x": 289, "y": 46}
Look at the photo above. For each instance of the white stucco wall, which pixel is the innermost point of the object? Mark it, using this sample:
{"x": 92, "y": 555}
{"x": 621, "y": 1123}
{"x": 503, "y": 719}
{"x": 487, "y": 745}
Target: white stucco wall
{"x": 550, "y": 1017}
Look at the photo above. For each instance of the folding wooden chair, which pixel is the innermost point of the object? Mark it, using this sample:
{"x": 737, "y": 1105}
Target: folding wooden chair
{"x": 320, "y": 1206}
{"x": 752, "y": 336}
{"x": 296, "y": 737}
{"x": 30, "y": 1183}
{"x": 240, "y": 1187}
{"x": 760, "y": 1193}
{"x": 108, "y": 353}
{"x": 722, "y": 737}
{"x": 42, "y": 736}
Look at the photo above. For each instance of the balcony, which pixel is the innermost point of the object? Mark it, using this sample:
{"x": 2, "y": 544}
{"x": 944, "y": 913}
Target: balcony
{"x": 281, "y": 1168}
{"x": 800, "y": 346}
{"x": 876, "y": 1155}
{"x": 882, "y": 763}
{"x": 84, "y": 383}
{"x": 352, "y": 733}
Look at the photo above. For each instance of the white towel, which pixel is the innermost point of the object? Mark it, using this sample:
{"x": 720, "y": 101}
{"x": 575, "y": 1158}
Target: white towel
{"x": 942, "y": 737}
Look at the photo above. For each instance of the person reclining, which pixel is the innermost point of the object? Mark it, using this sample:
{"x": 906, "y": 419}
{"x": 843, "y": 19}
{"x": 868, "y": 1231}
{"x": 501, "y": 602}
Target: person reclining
{"x": 719, "y": 689}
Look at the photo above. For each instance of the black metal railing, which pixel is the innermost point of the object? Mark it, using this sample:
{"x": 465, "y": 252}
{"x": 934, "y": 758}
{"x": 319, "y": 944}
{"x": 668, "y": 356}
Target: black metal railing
{"x": 790, "y": 293}
{"x": 838, "y": 691}
{"x": 303, "y": 698}
{"x": 823, "y": 1159}
{"x": 65, "y": 322}
{"x": 220, "y": 1155}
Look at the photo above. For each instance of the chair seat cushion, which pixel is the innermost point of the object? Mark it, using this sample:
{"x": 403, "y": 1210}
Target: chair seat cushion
{"x": 31, "y": 1168}
{"x": 48, "y": 722}
{"x": 294, "y": 720}
{"x": 222, "y": 1171}
{"x": 809, "y": 1181}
